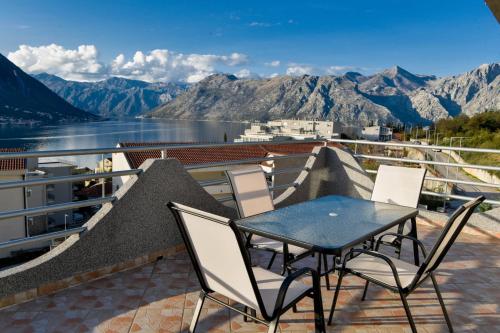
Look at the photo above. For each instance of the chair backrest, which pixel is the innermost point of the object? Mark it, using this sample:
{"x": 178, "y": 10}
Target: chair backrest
{"x": 398, "y": 185}
{"x": 450, "y": 232}
{"x": 218, "y": 254}
{"x": 250, "y": 191}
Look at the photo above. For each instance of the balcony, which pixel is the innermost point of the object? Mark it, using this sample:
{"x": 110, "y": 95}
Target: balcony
{"x": 125, "y": 271}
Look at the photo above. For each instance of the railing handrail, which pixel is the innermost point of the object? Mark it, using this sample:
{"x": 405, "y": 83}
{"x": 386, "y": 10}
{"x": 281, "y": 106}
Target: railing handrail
{"x": 42, "y": 237}
{"x": 98, "y": 151}
{"x": 245, "y": 161}
{"x": 409, "y": 145}
{"x": 54, "y": 208}
{"x": 67, "y": 179}
{"x": 415, "y": 161}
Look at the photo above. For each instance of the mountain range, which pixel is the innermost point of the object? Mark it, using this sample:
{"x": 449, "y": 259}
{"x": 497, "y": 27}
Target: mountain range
{"x": 115, "y": 97}
{"x": 24, "y": 99}
{"x": 391, "y": 96}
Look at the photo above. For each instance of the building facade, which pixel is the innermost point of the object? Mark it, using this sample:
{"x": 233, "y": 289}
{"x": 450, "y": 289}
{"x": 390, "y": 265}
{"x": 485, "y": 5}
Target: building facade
{"x": 377, "y": 133}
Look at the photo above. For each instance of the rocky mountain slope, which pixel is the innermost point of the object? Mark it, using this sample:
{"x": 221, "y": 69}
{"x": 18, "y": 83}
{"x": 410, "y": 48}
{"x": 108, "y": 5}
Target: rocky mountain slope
{"x": 23, "y": 99}
{"x": 393, "y": 95}
{"x": 114, "y": 97}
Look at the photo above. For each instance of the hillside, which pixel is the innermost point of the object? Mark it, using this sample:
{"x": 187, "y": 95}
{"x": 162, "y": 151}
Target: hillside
{"x": 114, "y": 97}
{"x": 24, "y": 99}
{"x": 393, "y": 95}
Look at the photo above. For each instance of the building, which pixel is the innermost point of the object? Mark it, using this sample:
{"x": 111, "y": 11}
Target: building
{"x": 377, "y": 133}
{"x": 58, "y": 193}
{"x": 289, "y": 129}
{"x": 30, "y": 197}
{"x": 105, "y": 165}
{"x": 19, "y": 198}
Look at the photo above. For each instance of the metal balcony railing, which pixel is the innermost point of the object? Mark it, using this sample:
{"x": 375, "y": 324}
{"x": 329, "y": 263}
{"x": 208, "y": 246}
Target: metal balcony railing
{"x": 444, "y": 180}
{"x": 95, "y": 176}
{"x": 104, "y": 199}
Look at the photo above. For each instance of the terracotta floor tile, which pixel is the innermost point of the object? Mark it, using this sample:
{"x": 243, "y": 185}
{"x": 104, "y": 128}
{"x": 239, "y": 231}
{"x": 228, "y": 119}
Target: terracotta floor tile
{"x": 161, "y": 297}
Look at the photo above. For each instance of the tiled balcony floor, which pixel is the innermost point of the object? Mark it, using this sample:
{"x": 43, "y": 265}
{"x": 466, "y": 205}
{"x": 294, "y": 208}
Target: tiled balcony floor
{"x": 160, "y": 297}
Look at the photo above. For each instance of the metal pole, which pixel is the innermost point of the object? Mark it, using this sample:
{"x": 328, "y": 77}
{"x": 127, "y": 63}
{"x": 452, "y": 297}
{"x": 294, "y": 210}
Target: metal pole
{"x": 456, "y": 175}
{"x": 103, "y": 180}
{"x": 447, "y": 174}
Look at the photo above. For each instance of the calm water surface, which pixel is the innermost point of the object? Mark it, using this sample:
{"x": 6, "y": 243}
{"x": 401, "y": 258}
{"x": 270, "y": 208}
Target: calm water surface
{"x": 110, "y": 133}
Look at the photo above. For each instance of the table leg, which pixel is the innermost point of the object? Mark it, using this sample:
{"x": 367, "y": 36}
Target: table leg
{"x": 415, "y": 245}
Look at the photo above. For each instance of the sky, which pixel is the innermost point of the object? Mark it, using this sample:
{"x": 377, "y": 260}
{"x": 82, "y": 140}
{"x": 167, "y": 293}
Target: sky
{"x": 187, "y": 40}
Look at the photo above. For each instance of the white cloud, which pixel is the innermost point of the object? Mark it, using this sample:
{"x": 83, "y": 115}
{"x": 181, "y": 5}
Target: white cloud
{"x": 297, "y": 70}
{"x": 246, "y": 74}
{"x": 337, "y": 70}
{"x": 274, "y": 63}
{"x": 83, "y": 64}
{"x": 78, "y": 64}
{"x": 260, "y": 24}
{"x": 165, "y": 65}
{"x": 300, "y": 69}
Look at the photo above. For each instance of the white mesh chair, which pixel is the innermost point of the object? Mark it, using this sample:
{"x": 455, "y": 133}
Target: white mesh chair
{"x": 252, "y": 197}
{"x": 399, "y": 186}
{"x": 222, "y": 265}
{"x": 402, "y": 277}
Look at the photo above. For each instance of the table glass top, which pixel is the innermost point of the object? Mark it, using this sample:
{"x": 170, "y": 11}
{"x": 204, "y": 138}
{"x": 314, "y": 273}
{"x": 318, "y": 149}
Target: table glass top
{"x": 327, "y": 224}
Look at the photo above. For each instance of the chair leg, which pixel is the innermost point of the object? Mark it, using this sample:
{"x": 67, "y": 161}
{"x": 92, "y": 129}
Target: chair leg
{"x": 254, "y": 314}
{"x": 271, "y": 261}
{"x": 197, "y": 312}
{"x": 273, "y": 326}
{"x": 408, "y": 313}
{"x": 365, "y": 290}
{"x": 414, "y": 234}
{"x": 440, "y": 298}
{"x": 327, "y": 277}
{"x": 334, "y": 303}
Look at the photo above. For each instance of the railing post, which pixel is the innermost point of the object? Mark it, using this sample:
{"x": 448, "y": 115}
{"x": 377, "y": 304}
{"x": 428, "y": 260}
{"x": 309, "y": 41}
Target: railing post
{"x": 103, "y": 180}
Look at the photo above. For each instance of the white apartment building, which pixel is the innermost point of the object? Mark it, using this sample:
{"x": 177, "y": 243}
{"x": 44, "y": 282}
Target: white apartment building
{"x": 289, "y": 129}
{"x": 377, "y": 133}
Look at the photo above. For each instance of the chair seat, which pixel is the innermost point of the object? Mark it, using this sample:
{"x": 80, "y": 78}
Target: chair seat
{"x": 276, "y": 246}
{"x": 390, "y": 238}
{"x": 269, "y": 284}
{"x": 379, "y": 270}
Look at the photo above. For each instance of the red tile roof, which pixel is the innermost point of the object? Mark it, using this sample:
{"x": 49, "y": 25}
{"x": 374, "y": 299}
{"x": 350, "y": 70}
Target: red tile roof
{"x": 11, "y": 164}
{"x": 190, "y": 156}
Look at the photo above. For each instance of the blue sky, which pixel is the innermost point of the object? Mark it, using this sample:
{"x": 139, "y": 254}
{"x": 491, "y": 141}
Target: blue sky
{"x": 246, "y": 37}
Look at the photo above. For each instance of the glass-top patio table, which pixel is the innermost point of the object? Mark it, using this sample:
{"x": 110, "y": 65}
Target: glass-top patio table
{"x": 330, "y": 224}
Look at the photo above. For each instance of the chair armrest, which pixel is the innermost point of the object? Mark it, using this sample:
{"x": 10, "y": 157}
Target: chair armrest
{"x": 401, "y": 236}
{"x": 377, "y": 255}
{"x": 288, "y": 281}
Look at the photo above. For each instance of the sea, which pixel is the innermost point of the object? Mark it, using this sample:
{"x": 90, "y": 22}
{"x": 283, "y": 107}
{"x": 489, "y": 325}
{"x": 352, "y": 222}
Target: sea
{"x": 107, "y": 134}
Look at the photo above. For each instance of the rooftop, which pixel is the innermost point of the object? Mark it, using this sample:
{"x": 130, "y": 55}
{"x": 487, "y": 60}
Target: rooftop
{"x": 13, "y": 163}
{"x": 191, "y": 156}
{"x": 160, "y": 297}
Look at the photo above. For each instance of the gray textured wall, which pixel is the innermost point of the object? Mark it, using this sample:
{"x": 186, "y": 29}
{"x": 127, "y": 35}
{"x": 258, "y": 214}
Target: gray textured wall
{"x": 136, "y": 224}
{"x": 332, "y": 171}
